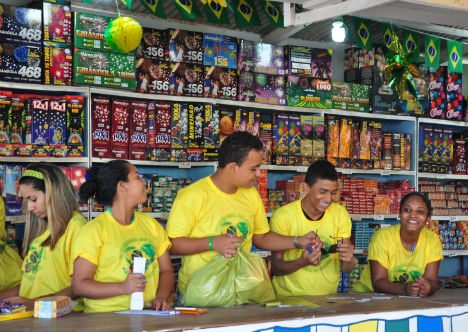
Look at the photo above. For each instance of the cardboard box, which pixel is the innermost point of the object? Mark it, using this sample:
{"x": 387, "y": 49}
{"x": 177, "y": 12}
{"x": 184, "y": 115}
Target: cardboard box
{"x": 306, "y": 135}
{"x": 299, "y": 60}
{"x": 89, "y": 31}
{"x": 104, "y": 69}
{"x": 57, "y": 23}
{"x": 5, "y": 106}
{"x": 152, "y": 76}
{"x": 247, "y": 86}
{"x": 321, "y": 63}
{"x": 309, "y": 92}
{"x": 18, "y": 119}
{"x": 138, "y": 129}
{"x": 454, "y": 96}
{"x": 270, "y": 89}
{"x": 437, "y": 93}
{"x": 269, "y": 59}
{"x": 179, "y": 130}
{"x": 294, "y": 135}
{"x": 281, "y": 134}
{"x": 162, "y": 126}
{"x": 40, "y": 120}
{"x": 75, "y": 120}
{"x": 211, "y": 127}
{"x": 185, "y": 46}
{"x": 195, "y": 127}
{"x": 154, "y": 45}
{"x": 21, "y": 25}
{"x": 58, "y": 65}
{"x": 58, "y": 121}
{"x": 219, "y": 51}
{"x": 220, "y": 83}
{"x": 266, "y": 136}
{"x": 120, "y": 123}
{"x": 318, "y": 136}
{"x": 226, "y": 123}
{"x": 186, "y": 79}
{"x": 20, "y": 63}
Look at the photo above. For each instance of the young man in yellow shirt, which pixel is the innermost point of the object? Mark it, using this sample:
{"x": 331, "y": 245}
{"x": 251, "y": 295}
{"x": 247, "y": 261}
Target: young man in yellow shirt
{"x": 213, "y": 214}
{"x": 314, "y": 272}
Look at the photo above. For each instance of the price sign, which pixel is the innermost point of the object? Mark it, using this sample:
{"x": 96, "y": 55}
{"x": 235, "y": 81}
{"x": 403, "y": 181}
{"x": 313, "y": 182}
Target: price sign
{"x": 185, "y": 164}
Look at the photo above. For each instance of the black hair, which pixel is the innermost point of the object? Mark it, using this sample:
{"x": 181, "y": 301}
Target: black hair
{"x": 101, "y": 181}
{"x": 422, "y": 196}
{"x": 320, "y": 169}
{"x": 236, "y": 147}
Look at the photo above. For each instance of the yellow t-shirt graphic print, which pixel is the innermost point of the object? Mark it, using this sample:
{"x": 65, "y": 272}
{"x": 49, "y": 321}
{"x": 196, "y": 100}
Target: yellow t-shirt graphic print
{"x": 202, "y": 210}
{"x": 47, "y": 271}
{"x": 323, "y": 279}
{"x": 403, "y": 265}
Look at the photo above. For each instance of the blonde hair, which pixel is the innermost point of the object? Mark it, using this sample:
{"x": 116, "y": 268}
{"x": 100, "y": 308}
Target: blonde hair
{"x": 60, "y": 202}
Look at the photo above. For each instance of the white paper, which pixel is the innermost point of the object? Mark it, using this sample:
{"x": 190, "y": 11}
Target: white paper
{"x": 137, "y": 300}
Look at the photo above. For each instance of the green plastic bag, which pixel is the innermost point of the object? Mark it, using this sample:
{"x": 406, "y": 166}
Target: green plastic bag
{"x": 226, "y": 282}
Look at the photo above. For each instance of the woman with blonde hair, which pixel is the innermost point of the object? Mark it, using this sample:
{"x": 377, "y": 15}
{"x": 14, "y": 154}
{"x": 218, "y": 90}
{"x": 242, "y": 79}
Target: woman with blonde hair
{"x": 52, "y": 224}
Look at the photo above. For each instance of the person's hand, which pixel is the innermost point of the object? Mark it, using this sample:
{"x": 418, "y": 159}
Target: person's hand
{"x": 226, "y": 244}
{"x": 159, "y": 304}
{"x": 310, "y": 240}
{"x": 14, "y": 300}
{"x": 346, "y": 251}
{"x": 135, "y": 282}
{"x": 412, "y": 288}
{"x": 424, "y": 287}
{"x": 310, "y": 257}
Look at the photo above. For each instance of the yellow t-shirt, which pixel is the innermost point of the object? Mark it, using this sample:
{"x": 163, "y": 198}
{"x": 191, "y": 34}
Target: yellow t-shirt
{"x": 323, "y": 279}
{"x": 10, "y": 267}
{"x": 47, "y": 271}
{"x": 402, "y": 265}
{"x": 202, "y": 210}
{"x": 111, "y": 247}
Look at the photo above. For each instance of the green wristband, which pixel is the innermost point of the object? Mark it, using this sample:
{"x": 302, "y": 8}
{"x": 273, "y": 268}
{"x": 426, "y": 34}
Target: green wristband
{"x": 211, "y": 243}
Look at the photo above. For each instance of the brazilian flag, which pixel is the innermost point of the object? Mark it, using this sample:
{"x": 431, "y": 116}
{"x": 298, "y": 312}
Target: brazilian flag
{"x": 432, "y": 51}
{"x": 273, "y": 12}
{"x": 87, "y": 1}
{"x": 127, "y": 3}
{"x": 215, "y": 13}
{"x": 454, "y": 50}
{"x": 187, "y": 9}
{"x": 411, "y": 45}
{"x": 155, "y": 6}
{"x": 387, "y": 34}
{"x": 362, "y": 30}
{"x": 245, "y": 13}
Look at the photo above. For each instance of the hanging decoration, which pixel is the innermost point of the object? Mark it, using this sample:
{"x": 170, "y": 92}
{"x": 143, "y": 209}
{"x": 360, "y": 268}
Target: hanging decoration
{"x": 349, "y": 35}
{"x": 127, "y": 3}
{"x": 432, "y": 51}
{"x": 387, "y": 34}
{"x": 155, "y": 6}
{"x": 123, "y": 34}
{"x": 187, "y": 9}
{"x": 399, "y": 71}
{"x": 362, "y": 30}
{"x": 273, "y": 12}
{"x": 245, "y": 13}
{"x": 411, "y": 45}
{"x": 216, "y": 11}
{"x": 454, "y": 50}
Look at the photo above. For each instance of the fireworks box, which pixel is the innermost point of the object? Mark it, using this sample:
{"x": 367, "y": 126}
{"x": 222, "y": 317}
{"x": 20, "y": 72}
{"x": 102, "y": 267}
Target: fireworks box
{"x": 247, "y": 55}
{"x": 162, "y": 125}
{"x": 5, "y": 107}
{"x": 281, "y": 134}
{"x": 20, "y": 63}
{"x": 382, "y": 98}
{"x": 270, "y": 89}
{"x": 58, "y": 121}
{"x": 39, "y": 120}
{"x": 252, "y": 122}
{"x": 454, "y": 96}
{"x": 58, "y": 151}
{"x": 195, "y": 154}
{"x": 266, "y": 136}
{"x": 299, "y": 60}
{"x": 158, "y": 154}
{"x": 12, "y": 196}
{"x": 101, "y": 126}
{"x": 294, "y": 135}
{"x": 186, "y": 80}
{"x": 105, "y": 69}
{"x": 226, "y": 123}
{"x": 40, "y": 151}
{"x": 306, "y": 135}
{"x": 376, "y": 140}
{"x": 18, "y": 119}
{"x": 211, "y": 127}
{"x": 75, "y": 120}
{"x": 22, "y": 150}
{"x": 57, "y": 23}
{"x": 240, "y": 120}
{"x": 89, "y": 31}
{"x": 154, "y": 45}
{"x": 351, "y": 59}
{"x": 447, "y": 150}
{"x": 58, "y": 65}
{"x": 179, "y": 129}
{"x": 220, "y": 51}
{"x": 138, "y": 129}
{"x": 246, "y": 91}
{"x": 318, "y": 136}
{"x": 120, "y": 127}
{"x": 416, "y": 105}
{"x": 269, "y": 59}
{"x": 321, "y": 63}
{"x": 152, "y": 76}
{"x": 220, "y": 83}
{"x": 6, "y": 149}
{"x": 437, "y": 150}
{"x": 195, "y": 126}
{"x": 426, "y": 146}
{"x": 309, "y": 92}
{"x": 350, "y": 96}
{"x": 20, "y": 25}
{"x": 178, "y": 154}
{"x": 185, "y": 46}
{"x": 437, "y": 92}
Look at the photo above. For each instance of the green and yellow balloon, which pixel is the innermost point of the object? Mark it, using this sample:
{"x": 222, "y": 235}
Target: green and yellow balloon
{"x": 123, "y": 34}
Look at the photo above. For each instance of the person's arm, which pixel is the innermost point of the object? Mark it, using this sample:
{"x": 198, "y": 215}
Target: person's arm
{"x": 429, "y": 283}
{"x": 166, "y": 284}
{"x": 223, "y": 244}
{"x": 14, "y": 291}
{"x": 346, "y": 252}
{"x": 14, "y": 298}
{"x": 380, "y": 282}
{"x": 83, "y": 282}
{"x": 274, "y": 242}
{"x": 281, "y": 267}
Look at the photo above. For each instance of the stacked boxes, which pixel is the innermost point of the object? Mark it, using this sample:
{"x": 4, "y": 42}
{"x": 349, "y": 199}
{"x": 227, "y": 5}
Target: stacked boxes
{"x": 436, "y": 150}
{"x": 363, "y": 233}
{"x": 450, "y": 199}
{"x": 262, "y": 183}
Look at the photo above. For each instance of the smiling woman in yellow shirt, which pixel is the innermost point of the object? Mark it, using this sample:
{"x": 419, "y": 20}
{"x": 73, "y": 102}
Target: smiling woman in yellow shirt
{"x": 52, "y": 224}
